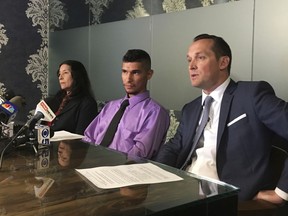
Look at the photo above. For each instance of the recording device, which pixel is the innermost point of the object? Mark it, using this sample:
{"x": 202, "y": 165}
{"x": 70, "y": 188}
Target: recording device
{"x": 8, "y": 110}
{"x": 44, "y": 113}
{"x": 43, "y": 158}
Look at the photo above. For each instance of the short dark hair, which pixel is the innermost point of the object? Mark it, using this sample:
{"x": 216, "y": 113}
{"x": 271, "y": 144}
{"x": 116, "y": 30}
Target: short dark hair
{"x": 220, "y": 47}
{"x": 138, "y": 55}
{"x": 81, "y": 83}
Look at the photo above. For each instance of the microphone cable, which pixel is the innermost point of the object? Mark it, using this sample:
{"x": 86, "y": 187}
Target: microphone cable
{"x": 23, "y": 128}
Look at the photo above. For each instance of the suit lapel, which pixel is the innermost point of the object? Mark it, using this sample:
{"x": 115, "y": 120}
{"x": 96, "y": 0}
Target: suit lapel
{"x": 225, "y": 109}
{"x": 194, "y": 120}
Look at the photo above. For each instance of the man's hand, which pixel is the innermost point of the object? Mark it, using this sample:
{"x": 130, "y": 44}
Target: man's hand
{"x": 270, "y": 196}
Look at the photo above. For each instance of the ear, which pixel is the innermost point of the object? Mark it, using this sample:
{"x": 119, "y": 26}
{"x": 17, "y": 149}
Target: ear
{"x": 224, "y": 62}
{"x": 149, "y": 74}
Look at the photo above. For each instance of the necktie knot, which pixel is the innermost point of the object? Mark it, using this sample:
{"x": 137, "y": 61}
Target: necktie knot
{"x": 208, "y": 100}
{"x": 124, "y": 104}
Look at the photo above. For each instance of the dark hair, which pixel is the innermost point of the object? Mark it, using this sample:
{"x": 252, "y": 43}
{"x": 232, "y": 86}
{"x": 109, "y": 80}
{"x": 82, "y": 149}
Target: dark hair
{"x": 138, "y": 55}
{"x": 220, "y": 47}
{"x": 81, "y": 83}
{"x": 78, "y": 152}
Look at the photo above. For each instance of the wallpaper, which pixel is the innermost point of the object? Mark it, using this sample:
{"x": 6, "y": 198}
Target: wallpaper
{"x": 77, "y": 13}
{"x": 24, "y": 28}
{"x": 24, "y": 51}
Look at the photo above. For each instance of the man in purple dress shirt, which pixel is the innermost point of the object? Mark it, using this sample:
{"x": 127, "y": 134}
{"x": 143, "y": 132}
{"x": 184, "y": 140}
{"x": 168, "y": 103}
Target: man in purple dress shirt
{"x": 143, "y": 126}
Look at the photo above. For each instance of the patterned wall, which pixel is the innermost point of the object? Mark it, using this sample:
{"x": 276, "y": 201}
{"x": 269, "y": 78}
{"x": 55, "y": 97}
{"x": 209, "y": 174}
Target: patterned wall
{"x": 24, "y": 51}
{"x": 102, "y": 11}
{"x": 24, "y": 35}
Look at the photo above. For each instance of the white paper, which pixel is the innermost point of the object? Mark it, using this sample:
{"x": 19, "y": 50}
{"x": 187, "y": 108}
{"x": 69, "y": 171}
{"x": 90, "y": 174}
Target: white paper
{"x": 125, "y": 175}
{"x": 65, "y": 135}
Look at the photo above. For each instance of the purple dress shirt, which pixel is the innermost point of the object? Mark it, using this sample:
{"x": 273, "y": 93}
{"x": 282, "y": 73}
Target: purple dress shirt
{"x": 142, "y": 128}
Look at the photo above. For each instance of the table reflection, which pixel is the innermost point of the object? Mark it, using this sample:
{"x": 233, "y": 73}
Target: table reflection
{"x": 46, "y": 183}
{"x": 71, "y": 153}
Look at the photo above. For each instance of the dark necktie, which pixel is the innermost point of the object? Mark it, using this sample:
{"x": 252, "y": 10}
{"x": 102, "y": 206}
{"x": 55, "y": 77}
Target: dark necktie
{"x": 200, "y": 129}
{"x": 109, "y": 135}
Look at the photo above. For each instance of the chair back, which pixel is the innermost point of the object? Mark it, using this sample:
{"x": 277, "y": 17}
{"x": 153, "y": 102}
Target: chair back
{"x": 278, "y": 157}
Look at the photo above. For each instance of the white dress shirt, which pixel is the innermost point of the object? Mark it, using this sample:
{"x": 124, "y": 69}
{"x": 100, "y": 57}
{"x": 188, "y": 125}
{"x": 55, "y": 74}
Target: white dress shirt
{"x": 204, "y": 161}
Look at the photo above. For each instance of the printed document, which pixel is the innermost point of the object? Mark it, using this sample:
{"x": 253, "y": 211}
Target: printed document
{"x": 126, "y": 175}
{"x": 65, "y": 135}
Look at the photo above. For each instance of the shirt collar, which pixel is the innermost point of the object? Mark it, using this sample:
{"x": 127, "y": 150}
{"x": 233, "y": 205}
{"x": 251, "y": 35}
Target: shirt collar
{"x": 217, "y": 94}
{"x": 137, "y": 98}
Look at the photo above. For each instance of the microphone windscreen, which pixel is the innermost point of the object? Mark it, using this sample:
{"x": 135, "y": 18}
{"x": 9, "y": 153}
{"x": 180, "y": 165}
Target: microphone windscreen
{"x": 18, "y": 101}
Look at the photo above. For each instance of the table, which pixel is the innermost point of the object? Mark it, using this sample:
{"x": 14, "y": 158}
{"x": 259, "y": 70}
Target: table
{"x": 24, "y": 177}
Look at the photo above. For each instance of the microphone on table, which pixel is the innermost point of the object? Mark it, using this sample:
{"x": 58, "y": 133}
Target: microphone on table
{"x": 42, "y": 112}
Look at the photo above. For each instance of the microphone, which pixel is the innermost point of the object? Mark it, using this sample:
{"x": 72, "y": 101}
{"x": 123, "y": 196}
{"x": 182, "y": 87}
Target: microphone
{"x": 19, "y": 101}
{"x": 8, "y": 110}
{"x": 43, "y": 112}
{"x": 32, "y": 122}
{"x": 43, "y": 107}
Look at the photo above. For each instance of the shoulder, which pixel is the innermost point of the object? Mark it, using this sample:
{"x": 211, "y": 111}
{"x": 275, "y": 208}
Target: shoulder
{"x": 152, "y": 104}
{"x": 194, "y": 103}
{"x": 254, "y": 86}
{"x": 113, "y": 103}
{"x": 109, "y": 105}
{"x": 84, "y": 101}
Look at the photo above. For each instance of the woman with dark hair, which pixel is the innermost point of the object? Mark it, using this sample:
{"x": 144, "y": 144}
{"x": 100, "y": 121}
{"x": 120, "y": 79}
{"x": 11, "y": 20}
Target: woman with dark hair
{"x": 74, "y": 104}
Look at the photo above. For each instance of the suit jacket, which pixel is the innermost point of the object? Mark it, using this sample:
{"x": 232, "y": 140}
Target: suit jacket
{"x": 250, "y": 116}
{"x": 75, "y": 116}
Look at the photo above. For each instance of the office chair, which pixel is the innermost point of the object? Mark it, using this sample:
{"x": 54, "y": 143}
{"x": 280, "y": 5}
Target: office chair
{"x": 261, "y": 207}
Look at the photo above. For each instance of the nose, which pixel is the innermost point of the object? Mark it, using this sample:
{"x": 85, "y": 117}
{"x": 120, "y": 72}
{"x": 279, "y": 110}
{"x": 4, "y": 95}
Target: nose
{"x": 192, "y": 65}
{"x": 60, "y": 77}
{"x": 129, "y": 77}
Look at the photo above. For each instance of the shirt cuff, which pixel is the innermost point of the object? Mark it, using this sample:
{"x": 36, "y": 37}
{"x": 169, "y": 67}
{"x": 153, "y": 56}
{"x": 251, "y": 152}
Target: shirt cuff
{"x": 281, "y": 193}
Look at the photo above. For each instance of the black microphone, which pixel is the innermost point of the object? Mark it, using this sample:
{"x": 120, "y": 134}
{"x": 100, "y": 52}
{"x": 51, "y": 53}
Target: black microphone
{"x": 32, "y": 122}
{"x": 42, "y": 112}
{"x": 18, "y": 101}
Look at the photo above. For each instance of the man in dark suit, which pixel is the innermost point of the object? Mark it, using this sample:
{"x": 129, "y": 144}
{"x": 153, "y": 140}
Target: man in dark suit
{"x": 244, "y": 116}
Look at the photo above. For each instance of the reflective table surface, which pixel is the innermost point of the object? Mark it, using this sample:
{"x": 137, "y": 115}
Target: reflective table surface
{"x": 44, "y": 182}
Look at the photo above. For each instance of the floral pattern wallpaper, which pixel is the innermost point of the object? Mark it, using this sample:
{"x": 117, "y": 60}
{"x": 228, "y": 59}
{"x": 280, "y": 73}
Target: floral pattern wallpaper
{"x": 93, "y": 12}
{"x": 24, "y": 28}
{"x": 24, "y": 51}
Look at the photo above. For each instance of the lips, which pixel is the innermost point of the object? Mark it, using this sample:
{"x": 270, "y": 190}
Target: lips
{"x": 129, "y": 86}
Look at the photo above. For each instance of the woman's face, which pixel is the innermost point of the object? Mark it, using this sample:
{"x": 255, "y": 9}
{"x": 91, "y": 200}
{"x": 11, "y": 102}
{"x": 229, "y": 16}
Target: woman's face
{"x": 64, "y": 154}
{"x": 65, "y": 77}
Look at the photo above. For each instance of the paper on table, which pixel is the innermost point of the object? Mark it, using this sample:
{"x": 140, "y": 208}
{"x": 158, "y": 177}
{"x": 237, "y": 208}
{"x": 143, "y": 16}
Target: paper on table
{"x": 65, "y": 135}
{"x": 125, "y": 175}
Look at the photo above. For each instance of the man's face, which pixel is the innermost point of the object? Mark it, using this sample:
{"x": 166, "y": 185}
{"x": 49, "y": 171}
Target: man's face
{"x": 135, "y": 77}
{"x": 206, "y": 72}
